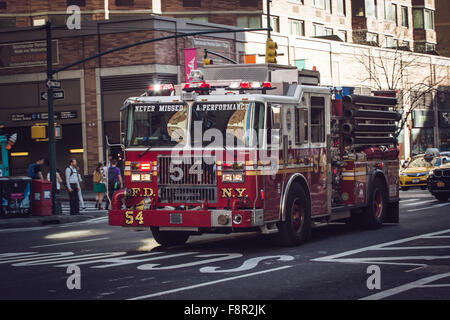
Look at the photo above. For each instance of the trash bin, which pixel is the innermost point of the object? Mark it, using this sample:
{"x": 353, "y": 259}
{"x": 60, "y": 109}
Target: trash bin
{"x": 41, "y": 198}
{"x": 14, "y": 196}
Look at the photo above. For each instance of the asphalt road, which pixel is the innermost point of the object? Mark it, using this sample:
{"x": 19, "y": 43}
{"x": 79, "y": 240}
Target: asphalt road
{"x": 406, "y": 261}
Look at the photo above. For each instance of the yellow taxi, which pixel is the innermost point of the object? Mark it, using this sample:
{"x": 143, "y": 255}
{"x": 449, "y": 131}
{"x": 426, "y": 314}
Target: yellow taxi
{"x": 416, "y": 172}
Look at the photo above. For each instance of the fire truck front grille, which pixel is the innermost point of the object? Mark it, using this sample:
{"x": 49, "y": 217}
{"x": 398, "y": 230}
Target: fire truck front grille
{"x": 187, "y": 194}
{"x": 186, "y": 179}
{"x": 186, "y": 171}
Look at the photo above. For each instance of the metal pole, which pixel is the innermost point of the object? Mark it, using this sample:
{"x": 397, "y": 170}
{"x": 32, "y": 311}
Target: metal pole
{"x": 51, "y": 115}
{"x": 268, "y": 18}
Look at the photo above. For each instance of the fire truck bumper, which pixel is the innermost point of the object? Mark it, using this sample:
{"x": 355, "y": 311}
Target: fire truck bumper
{"x": 187, "y": 219}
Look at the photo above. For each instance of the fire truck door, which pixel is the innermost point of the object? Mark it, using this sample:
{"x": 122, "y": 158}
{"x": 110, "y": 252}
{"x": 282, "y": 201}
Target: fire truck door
{"x": 319, "y": 105}
{"x": 272, "y": 177}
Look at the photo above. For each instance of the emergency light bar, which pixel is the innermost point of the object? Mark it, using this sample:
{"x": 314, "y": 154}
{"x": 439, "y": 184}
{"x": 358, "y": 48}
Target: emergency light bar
{"x": 161, "y": 90}
{"x": 250, "y": 86}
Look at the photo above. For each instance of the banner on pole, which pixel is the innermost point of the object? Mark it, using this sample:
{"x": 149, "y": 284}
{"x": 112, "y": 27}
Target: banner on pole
{"x": 190, "y": 61}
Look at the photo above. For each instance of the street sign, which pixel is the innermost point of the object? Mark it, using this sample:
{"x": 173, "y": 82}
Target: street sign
{"x": 53, "y": 84}
{"x": 57, "y": 95}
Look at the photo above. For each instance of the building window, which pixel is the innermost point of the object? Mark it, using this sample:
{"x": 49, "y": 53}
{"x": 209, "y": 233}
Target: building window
{"x": 274, "y": 23}
{"x": 342, "y": 34}
{"x": 297, "y": 27}
{"x": 405, "y": 19}
{"x": 80, "y": 3}
{"x": 423, "y": 19}
{"x": 317, "y": 119}
{"x": 364, "y": 8}
{"x": 248, "y": 3}
{"x": 328, "y": 31}
{"x": 191, "y": 3}
{"x": 323, "y": 4}
{"x": 124, "y": 3}
{"x": 319, "y": 30}
{"x": 371, "y": 8}
{"x": 429, "y": 19}
{"x": 390, "y": 11}
{"x": 340, "y": 7}
{"x": 195, "y": 18}
{"x": 249, "y": 21}
{"x": 3, "y": 5}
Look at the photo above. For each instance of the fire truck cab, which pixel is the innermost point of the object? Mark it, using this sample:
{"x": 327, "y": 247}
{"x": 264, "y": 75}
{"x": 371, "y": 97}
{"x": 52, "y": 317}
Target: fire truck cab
{"x": 229, "y": 154}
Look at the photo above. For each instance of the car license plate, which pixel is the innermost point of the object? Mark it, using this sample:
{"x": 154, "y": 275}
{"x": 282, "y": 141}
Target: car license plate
{"x": 176, "y": 218}
{"x": 415, "y": 181}
{"x": 440, "y": 184}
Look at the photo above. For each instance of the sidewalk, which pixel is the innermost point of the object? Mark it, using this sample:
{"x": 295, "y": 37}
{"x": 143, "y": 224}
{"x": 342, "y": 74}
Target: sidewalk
{"x": 33, "y": 221}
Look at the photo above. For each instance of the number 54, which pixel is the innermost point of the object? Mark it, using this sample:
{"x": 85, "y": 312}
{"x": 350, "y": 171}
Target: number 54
{"x": 130, "y": 218}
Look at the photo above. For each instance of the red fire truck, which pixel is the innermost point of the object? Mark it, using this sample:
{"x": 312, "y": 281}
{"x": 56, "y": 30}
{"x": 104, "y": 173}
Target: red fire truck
{"x": 231, "y": 154}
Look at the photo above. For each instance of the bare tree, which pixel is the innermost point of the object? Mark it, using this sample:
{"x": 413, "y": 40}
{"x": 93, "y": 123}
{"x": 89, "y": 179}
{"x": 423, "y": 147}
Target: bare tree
{"x": 400, "y": 70}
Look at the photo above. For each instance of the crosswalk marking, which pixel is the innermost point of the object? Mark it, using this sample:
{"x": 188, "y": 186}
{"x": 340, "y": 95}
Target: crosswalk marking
{"x": 438, "y": 205}
{"x": 402, "y": 201}
{"x": 419, "y": 203}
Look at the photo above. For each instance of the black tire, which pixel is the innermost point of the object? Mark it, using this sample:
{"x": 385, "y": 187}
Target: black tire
{"x": 442, "y": 196}
{"x": 423, "y": 187}
{"x": 404, "y": 188}
{"x": 374, "y": 214}
{"x": 296, "y": 229}
{"x": 169, "y": 238}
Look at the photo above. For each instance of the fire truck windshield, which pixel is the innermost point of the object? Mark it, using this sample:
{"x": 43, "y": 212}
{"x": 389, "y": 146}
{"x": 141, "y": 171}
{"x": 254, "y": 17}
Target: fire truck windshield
{"x": 156, "y": 125}
{"x": 226, "y": 123}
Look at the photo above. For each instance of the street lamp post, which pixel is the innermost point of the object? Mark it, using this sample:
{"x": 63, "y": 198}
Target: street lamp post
{"x": 51, "y": 114}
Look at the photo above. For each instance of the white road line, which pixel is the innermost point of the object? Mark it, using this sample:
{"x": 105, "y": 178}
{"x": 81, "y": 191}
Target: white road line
{"x": 432, "y": 207}
{"x": 402, "y": 201}
{"x": 71, "y": 242}
{"x": 335, "y": 257}
{"x": 412, "y": 285}
{"x": 414, "y": 248}
{"x": 419, "y": 203}
{"x": 204, "y": 284}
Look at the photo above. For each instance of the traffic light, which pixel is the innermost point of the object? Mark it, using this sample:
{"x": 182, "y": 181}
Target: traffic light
{"x": 207, "y": 61}
{"x": 271, "y": 51}
{"x": 39, "y": 131}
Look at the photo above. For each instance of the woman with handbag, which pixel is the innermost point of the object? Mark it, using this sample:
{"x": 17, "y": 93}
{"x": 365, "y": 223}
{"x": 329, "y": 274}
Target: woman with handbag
{"x": 99, "y": 185}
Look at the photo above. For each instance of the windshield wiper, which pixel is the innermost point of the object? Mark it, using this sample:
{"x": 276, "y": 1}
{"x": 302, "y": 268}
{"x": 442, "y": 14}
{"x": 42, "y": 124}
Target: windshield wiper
{"x": 144, "y": 152}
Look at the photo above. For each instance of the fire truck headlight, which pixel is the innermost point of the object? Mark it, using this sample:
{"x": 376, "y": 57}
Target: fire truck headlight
{"x": 146, "y": 177}
{"x": 238, "y": 177}
{"x": 233, "y": 177}
{"x": 135, "y": 177}
{"x": 227, "y": 177}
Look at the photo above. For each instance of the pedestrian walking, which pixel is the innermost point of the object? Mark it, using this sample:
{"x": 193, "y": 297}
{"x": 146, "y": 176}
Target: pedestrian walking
{"x": 105, "y": 181}
{"x": 35, "y": 169}
{"x": 115, "y": 181}
{"x": 99, "y": 179}
{"x": 73, "y": 186}
{"x": 58, "y": 180}
{"x": 80, "y": 195}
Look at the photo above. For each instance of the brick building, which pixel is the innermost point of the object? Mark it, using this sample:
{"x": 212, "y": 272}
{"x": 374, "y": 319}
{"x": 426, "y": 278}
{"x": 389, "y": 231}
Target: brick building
{"x": 443, "y": 27}
{"x": 95, "y": 90}
{"x": 322, "y": 34}
{"x": 386, "y": 23}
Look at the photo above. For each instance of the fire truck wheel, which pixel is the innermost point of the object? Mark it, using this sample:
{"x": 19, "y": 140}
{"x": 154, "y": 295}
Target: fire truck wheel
{"x": 373, "y": 216}
{"x": 296, "y": 229}
{"x": 169, "y": 238}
